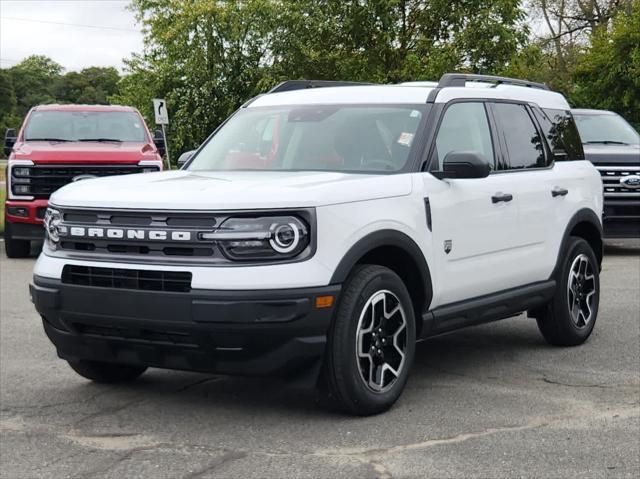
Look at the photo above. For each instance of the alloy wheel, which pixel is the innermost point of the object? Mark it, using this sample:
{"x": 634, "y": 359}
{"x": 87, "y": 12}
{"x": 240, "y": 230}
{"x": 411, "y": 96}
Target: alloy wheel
{"x": 581, "y": 288}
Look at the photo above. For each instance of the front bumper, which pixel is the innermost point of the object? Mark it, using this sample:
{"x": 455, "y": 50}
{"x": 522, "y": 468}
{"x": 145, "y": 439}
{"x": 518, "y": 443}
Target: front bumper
{"x": 230, "y": 332}
{"x": 621, "y": 219}
{"x": 28, "y": 225}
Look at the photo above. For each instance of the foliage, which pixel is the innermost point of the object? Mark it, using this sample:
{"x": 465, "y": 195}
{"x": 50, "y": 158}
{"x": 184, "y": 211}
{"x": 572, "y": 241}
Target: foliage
{"x": 208, "y": 58}
{"x": 608, "y": 74}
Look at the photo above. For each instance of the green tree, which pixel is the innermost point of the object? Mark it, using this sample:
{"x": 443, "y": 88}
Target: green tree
{"x": 207, "y": 58}
{"x": 607, "y": 76}
{"x": 92, "y": 85}
{"x": 33, "y": 81}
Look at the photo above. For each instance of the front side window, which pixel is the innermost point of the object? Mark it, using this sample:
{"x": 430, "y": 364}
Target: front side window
{"x": 464, "y": 127}
{"x": 355, "y": 138}
{"x": 118, "y": 126}
{"x": 605, "y": 129}
{"x": 524, "y": 144}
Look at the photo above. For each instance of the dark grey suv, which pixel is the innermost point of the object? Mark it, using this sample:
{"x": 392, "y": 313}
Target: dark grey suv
{"x": 613, "y": 146}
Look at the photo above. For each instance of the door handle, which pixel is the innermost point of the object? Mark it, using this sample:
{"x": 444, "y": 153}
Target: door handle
{"x": 559, "y": 192}
{"x": 498, "y": 197}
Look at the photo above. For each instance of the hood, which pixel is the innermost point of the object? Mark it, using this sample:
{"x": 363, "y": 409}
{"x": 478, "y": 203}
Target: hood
{"x": 200, "y": 190}
{"x": 612, "y": 154}
{"x": 41, "y": 152}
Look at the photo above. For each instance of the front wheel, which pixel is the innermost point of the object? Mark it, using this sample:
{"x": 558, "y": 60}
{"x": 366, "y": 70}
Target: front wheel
{"x": 371, "y": 342}
{"x": 569, "y": 318}
{"x": 15, "y": 248}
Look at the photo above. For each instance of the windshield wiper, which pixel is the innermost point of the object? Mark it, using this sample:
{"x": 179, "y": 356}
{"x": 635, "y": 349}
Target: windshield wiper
{"x": 45, "y": 139}
{"x": 100, "y": 139}
{"x": 605, "y": 142}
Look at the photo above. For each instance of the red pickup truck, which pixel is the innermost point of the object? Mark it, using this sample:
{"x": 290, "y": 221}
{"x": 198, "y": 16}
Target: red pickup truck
{"x": 58, "y": 144}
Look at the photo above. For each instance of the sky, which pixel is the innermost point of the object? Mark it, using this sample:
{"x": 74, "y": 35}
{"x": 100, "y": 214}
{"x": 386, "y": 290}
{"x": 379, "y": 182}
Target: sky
{"x": 74, "y": 33}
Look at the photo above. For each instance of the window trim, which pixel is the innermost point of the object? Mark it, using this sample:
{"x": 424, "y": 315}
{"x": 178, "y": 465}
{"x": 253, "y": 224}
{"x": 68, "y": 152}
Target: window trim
{"x": 427, "y": 163}
{"x": 549, "y": 160}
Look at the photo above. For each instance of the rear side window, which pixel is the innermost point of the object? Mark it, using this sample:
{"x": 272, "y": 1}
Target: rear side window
{"x": 464, "y": 127}
{"x": 562, "y": 134}
{"x": 524, "y": 144}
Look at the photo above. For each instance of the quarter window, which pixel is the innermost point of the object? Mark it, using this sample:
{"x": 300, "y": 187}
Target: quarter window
{"x": 524, "y": 144}
{"x": 464, "y": 127}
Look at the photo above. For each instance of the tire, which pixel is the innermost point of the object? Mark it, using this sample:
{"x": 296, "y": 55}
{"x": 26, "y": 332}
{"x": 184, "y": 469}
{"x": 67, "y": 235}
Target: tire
{"x": 362, "y": 385}
{"x": 15, "y": 248}
{"x": 578, "y": 285}
{"x": 106, "y": 372}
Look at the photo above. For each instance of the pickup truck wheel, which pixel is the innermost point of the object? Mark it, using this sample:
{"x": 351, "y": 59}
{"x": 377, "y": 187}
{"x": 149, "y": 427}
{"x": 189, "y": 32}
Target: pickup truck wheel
{"x": 15, "y": 248}
{"x": 569, "y": 318}
{"x": 371, "y": 342}
{"x": 106, "y": 372}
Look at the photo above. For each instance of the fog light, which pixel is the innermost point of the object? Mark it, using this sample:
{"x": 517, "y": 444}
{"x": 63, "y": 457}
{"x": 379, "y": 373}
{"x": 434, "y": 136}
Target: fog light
{"x": 18, "y": 211}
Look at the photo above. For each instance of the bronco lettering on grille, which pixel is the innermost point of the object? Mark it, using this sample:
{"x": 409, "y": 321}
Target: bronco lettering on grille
{"x": 130, "y": 234}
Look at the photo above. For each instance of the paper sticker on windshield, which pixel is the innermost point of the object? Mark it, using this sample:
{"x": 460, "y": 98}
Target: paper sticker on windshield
{"x": 415, "y": 114}
{"x": 405, "y": 138}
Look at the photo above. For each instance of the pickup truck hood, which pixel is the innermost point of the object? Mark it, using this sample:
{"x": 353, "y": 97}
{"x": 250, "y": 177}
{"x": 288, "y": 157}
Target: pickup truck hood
{"x": 612, "y": 154}
{"x": 42, "y": 152}
{"x": 199, "y": 190}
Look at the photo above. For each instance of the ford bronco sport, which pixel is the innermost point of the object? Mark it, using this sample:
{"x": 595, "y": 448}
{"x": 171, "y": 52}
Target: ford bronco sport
{"x": 325, "y": 228}
{"x": 613, "y": 146}
{"x": 58, "y": 144}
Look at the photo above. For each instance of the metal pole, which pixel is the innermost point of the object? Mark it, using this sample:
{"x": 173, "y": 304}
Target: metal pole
{"x": 166, "y": 147}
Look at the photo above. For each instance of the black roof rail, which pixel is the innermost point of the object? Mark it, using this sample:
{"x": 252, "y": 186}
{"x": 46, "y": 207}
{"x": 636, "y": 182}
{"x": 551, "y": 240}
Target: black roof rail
{"x": 460, "y": 80}
{"x": 291, "y": 85}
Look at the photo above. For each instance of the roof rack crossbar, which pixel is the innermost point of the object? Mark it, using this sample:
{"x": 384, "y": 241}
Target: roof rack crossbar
{"x": 291, "y": 85}
{"x": 460, "y": 80}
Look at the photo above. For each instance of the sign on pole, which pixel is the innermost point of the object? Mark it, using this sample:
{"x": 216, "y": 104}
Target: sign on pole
{"x": 160, "y": 110}
{"x": 162, "y": 119}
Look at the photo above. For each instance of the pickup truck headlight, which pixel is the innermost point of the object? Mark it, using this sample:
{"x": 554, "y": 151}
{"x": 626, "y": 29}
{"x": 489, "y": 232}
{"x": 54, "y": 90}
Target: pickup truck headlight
{"x": 52, "y": 227}
{"x": 262, "y": 238}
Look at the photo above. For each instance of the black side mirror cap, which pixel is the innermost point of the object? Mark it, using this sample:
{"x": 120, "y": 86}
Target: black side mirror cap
{"x": 463, "y": 164}
{"x": 158, "y": 140}
{"x": 186, "y": 156}
{"x": 9, "y": 140}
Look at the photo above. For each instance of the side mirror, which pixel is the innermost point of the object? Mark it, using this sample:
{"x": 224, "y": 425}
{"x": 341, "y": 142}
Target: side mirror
{"x": 463, "y": 164}
{"x": 158, "y": 140}
{"x": 9, "y": 140}
{"x": 186, "y": 156}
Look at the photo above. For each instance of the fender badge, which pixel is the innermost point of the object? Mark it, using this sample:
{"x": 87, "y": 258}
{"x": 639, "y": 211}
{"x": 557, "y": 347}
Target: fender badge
{"x": 448, "y": 244}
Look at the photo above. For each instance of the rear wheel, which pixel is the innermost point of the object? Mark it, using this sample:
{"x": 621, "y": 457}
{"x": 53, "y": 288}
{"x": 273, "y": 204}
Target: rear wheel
{"x": 371, "y": 343}
{"x": 106, "y": 372}
{"x": 569, "y": 318}
{"x": 15, "y": 248}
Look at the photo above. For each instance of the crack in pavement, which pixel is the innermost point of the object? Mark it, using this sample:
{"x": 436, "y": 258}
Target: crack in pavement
{"x": 197, "y": 383}
{"x": 601, "y": 386}
{"x": 227, "y": 457}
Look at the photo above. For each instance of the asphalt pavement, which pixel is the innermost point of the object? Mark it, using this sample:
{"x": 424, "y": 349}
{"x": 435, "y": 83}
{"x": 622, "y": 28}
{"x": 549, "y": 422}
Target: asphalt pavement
{"x": 489, "y": 401}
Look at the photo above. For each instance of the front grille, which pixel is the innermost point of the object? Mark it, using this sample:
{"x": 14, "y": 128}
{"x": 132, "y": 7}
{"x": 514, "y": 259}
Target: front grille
{"x": 611, "y": 182}
{"x": 146, "y": 280}
{"x": 193, "y": 250}
{"x": 42, "y": 180}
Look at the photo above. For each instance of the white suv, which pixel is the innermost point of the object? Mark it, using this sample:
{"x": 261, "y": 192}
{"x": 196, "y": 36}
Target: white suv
{"x": 326, "y": 227}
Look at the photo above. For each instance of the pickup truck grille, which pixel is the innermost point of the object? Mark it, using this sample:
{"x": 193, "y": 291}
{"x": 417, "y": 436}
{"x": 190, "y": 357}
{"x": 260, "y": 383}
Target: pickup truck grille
{"x": 42, "y": 180}
{"x": 611, "y": 181}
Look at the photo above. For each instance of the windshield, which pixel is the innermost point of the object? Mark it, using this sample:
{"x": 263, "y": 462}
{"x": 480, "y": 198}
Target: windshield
{"x": 605, "y": 129}
{"x": 330, "y": 138}
{"x": 85, "y": 126}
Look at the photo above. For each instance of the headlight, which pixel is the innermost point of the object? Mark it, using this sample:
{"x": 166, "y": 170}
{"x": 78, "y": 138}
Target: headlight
{"x": 52, "y": 228}
{"x": 263, "y": 238}
{"x": 21, "y": 171}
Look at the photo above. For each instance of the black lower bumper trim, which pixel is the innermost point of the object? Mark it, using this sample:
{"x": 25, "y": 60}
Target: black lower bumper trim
{"x": 27, "y": 231}
{"x": 229, "y": 332}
